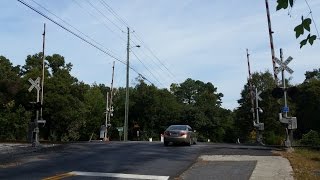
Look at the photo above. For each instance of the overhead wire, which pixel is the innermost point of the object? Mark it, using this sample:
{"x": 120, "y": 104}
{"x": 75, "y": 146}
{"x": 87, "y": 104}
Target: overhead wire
{"x": 104, "y": 24}
{"x": 69, "y": 24}
{"x": 114, "y": 13}
{"x": 314, "y": 22}
{"x": 82, "y": 38}
{"x": 148, "y": 57}
{"x": 73, "y": 33}
{"x": 88, "y": 1}
{"x": 147, "y": 68}
{"x": 110, "y": 9}
{"x": 153, "y": 54}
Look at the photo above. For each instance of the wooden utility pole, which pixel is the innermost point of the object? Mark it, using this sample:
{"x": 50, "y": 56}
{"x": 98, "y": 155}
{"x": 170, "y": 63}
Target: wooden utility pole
{"x": 43, "y": 59}
{"x": 125, "y": 131}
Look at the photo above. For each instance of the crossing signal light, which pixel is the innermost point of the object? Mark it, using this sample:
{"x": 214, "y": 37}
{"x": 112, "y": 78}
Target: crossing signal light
{"x": 277, "y": 93}
{"x": 293, "y": 92}
{"x": 34, "y": 106}
{"x": 38, "y": 106}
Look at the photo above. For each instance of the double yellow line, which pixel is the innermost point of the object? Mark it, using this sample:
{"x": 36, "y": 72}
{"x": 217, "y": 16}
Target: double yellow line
{"x": 60, "y": 176}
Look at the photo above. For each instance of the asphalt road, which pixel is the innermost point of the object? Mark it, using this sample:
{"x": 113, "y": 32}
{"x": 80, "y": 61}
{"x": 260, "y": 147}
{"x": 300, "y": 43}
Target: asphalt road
{"x": 131, "y": 160}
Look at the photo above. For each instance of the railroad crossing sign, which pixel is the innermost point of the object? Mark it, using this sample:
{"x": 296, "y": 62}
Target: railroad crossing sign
{"x": 284, "y": 65}
{"x": 258, "y": 96}
{"x": 34, "y": 84}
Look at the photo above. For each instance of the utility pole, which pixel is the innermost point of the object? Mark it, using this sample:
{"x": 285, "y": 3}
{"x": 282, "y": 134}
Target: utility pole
{"x": 271, "y": 43}
{"x": 125, "y": 137}
{"x": 255, "y": 105}
{"x": 43, "y": 58}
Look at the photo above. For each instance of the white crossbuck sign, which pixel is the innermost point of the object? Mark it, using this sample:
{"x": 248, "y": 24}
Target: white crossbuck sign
{"x": 283, "y": 65}
{"x": 34, "y": 84}
{"x": 258, "y": 96}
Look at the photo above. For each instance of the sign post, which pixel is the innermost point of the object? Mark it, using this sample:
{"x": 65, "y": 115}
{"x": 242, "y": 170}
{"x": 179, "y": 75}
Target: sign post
{"x": 35, "y": 132}
{"x": 258, "y": 125}
{"x": 290, "y": 121}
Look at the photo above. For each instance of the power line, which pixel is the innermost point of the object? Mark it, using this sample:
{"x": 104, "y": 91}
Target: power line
{"x": 148, "y": 57}
{"x": 153, "y": 54}
{"x": 147, "y": 69}
{"x": 104, "y": 15}
{"x": 81, "y": 38}
{"x": 68, "y": 30}
{"x": 110, "y": 9}
{"x": 104, "y": 24}
{"x": 314, "y": 22}
{"x": 68, "y": 24}
{"x": 114, "y": 13}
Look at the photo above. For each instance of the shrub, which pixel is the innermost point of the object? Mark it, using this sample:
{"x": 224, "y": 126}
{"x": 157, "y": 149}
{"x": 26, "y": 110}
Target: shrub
{"x": 312, "y": 138}
{"x": 273, "y": 139}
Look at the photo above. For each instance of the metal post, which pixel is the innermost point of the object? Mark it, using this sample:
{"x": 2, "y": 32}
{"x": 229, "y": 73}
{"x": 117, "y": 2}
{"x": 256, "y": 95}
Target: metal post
{"x": 107, "y": 115}
{"x": 43, "y": 58}
{"x": 36, "y": 128}
{"x": 284, "y": 85}
{"x": 257, "y": 106}
{"x": 125, "y": 131}
{"x": 289, "y": 132}
{"x": 259, "y": 135}
{"x": 271, "y": 43}
{"x": 111, "y": 95}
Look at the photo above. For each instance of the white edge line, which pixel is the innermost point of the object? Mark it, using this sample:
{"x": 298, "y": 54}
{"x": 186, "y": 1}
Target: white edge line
{"x": 119, "y": 175}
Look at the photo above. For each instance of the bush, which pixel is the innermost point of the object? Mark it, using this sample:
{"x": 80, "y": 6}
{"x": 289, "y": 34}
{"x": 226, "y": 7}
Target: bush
{"x": 273, "y": 139}
{"x": 312, "y": 138}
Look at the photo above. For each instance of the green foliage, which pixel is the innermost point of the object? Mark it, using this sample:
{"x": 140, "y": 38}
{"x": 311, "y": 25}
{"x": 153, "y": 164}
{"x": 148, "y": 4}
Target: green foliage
{"x": 312, "y": 138}
{"x": 75, "y": 110}
{"x": 283, "y": 4}
{"x": 273, "y": 138}
{"x": 315, "y": 74}
{"x": 299, "y": 29}
{"x": 307, "y": 104}
{"x": 244, "y": 120}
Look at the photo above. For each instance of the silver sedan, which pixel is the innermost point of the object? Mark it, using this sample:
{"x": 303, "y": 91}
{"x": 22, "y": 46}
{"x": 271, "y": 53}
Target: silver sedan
{"x": 179, "y": 134}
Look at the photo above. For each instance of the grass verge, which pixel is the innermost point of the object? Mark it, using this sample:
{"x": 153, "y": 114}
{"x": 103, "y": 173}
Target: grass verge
{"x": 305, "y": 163}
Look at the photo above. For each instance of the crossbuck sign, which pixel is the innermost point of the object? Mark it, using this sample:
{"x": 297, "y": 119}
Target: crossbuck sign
{"x": 284, "y": 65}
{"x": 34, "y": 84}
{"x": 258, "y": 96}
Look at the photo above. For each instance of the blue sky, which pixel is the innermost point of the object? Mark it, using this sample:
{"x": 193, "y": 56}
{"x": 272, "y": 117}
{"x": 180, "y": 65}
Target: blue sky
{"x": 200, "y": 39}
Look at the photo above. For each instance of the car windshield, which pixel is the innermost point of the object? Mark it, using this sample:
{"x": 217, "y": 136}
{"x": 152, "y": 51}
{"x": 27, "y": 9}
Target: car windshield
{"x": 177, "y": 127}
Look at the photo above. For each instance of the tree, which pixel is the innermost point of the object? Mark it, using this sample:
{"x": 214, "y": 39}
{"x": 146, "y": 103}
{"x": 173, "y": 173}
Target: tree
{"x": 201, "y": 108}
{"x": 13, "y": 117}
{"x": 315, "y": 74}
{"x": 263, "y": 82}
{"x": 299, "y": 29}
{"x": 308, "y": 100}
{"x": 95, "y": 105}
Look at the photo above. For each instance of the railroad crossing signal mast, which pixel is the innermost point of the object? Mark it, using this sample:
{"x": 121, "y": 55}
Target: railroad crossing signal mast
{"x": 255, "y": 96}
{"x": 283, "y": 116}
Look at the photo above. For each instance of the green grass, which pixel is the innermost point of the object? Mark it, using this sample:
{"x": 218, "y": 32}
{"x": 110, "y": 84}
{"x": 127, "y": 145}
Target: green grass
{"x": 305, "y": 163}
